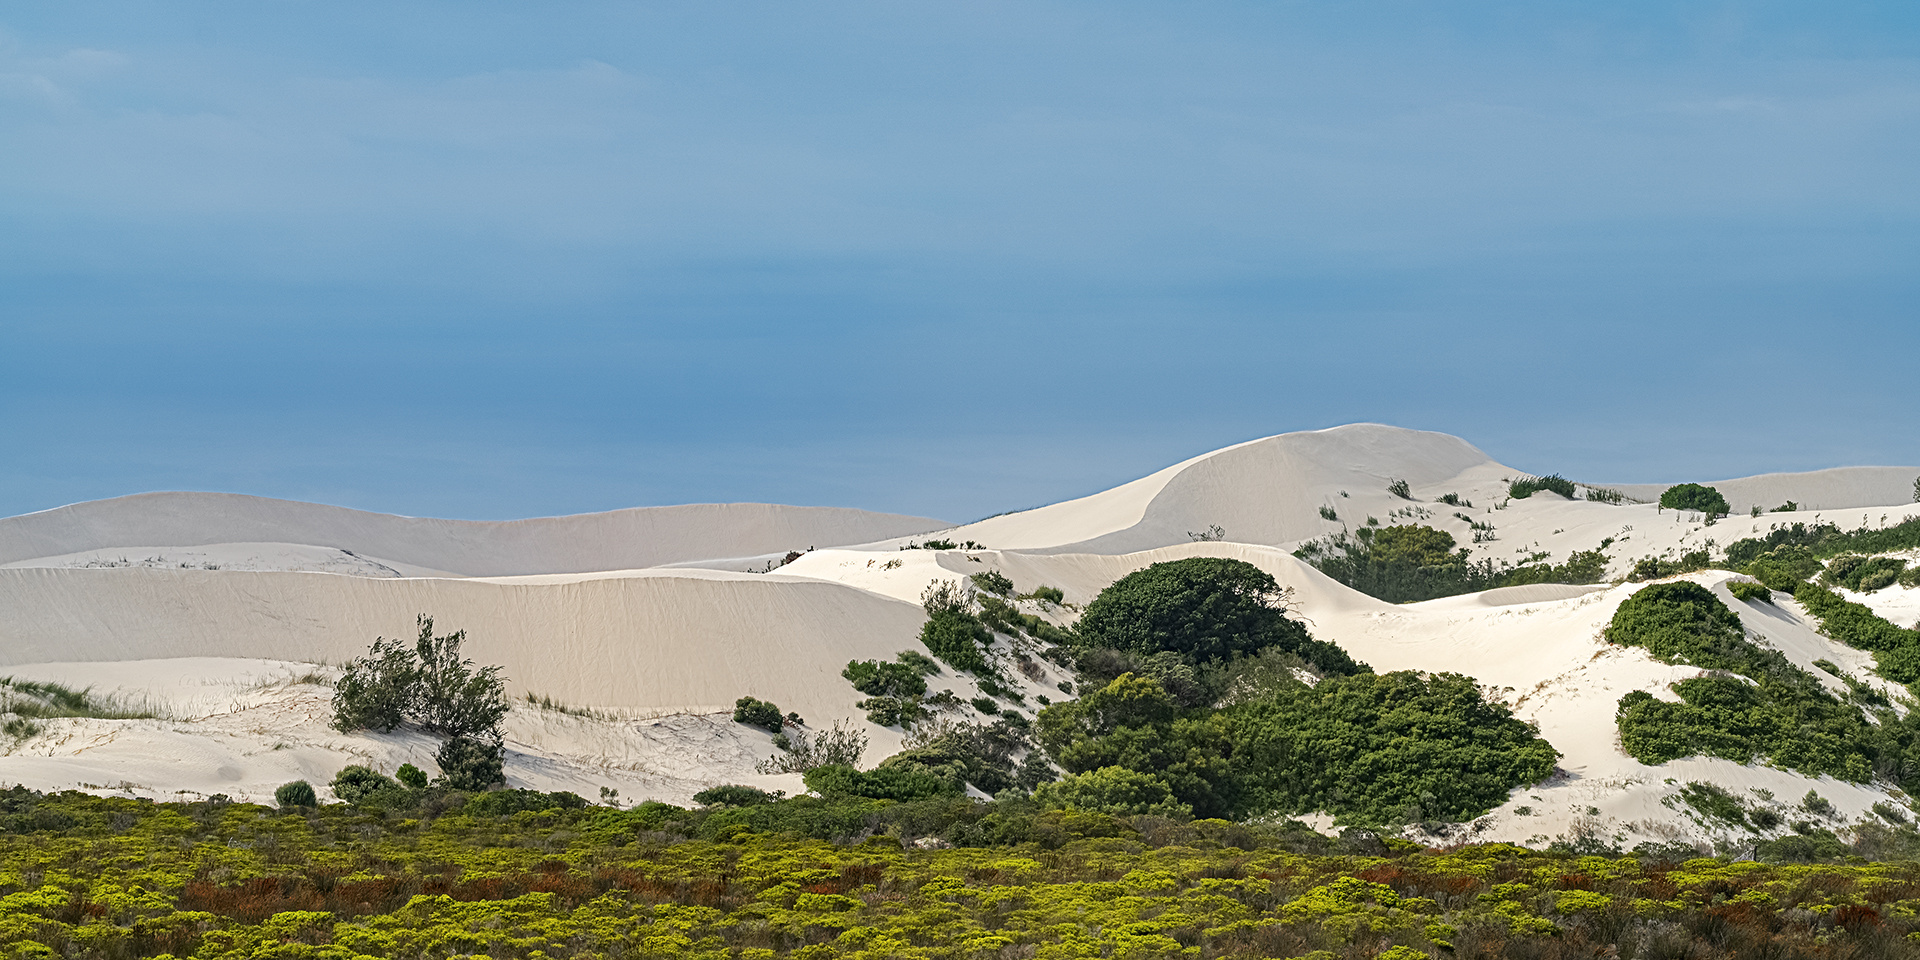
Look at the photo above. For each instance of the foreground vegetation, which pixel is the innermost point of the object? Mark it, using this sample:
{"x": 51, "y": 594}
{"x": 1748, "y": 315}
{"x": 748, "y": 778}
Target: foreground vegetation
{"x": 529, "y": 875}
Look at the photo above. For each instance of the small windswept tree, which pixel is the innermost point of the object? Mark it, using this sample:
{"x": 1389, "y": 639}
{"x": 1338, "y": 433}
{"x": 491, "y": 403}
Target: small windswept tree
{"x": 430, "y": 684}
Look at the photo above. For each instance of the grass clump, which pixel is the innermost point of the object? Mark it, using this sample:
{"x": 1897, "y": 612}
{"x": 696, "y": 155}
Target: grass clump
{"x": 993, "y": 582}
{"x": 1400, "y": 488}
{"x": 29, "y": 700}
{"x": 1452, "y": 500}
{"x": 1526, "y": 487}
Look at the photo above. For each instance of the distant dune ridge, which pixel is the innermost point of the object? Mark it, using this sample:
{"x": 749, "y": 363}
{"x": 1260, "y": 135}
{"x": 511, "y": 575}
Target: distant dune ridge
{"x": 614, "y": 540}
{"x": 602, "y": 611}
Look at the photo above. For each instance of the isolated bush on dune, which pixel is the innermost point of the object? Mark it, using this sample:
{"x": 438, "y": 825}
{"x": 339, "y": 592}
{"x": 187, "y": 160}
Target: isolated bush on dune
{"x": 1693, "y": 496}
{"x": 755, "y": 712}
{"x": 429, "y": 684}
{"x": 297, "y": 793}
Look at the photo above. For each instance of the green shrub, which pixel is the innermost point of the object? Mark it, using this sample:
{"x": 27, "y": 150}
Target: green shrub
{"x": 986, "y": 705}
{"x": 1204, "y": 609}
{"x": 1896, "y": 651}
{"x": 897, "y": 783}
{"x": 1684, "y": 623}
{"x": 1526, "y": 487}
{"x": 412, "y": 777}
{"x": 1328, "y": 513}
{"x": 297, "y": 793}
{"x": 363, "y": 786}
{"x": 1657, "y": 568}
{"x": 1605, "y": 495}
{"x": 879, "y": 678}
{"x": 472, "y": 764}
{"x": 1113, "y": 790}
{"x": 955, "y": 637}
{"x": 431, "y": 684}
{"x": 1750, "y": 592}
{"x": 1407, "y": 563}
{"x": 920, "y": 662}
{"x": 1400, "y": 488}
{"x": 1048, "y": 595}
{"x": 735, "y": 795}
{"x": 755, "y": 712}
{"x": 375, "y": 692}
{"x": 994, "y": 582}
{"x": 1451, "y": 500}
{"x": 505, "y": 803}
{"x": 1370, "y": 749}
{"x": 893, "y": 711}
{"x": 1693, "y": 496}
{"x": 1863, "y": 574}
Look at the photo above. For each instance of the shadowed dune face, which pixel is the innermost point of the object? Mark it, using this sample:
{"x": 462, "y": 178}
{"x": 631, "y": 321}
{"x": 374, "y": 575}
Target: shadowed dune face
{"x": 616, "y": 540}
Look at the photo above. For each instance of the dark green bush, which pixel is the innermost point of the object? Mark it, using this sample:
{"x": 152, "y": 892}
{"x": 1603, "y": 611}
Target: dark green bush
{"x": 1657, "y": 568}
{"x": 472, "y": 764}
{"x": 1405, "y": 563}
{"x": 1400, "y": 488}
{"x": 755, "y": 712}
{"x": 735, "y": 795}
{"x": 411, "y": 777}
{"x": 375, "y": 692}
{"x": 1371, "y": 749}
{"x": 1896, "y": 651}
{"x": 1863, "y": 574}
{"x": 363, "y": 786}
{"x": 1684, "y": 623}
{"x": 297, "y": 793}
{"x": 431, "y": 684}
{"x": 1692, "y": 496}
{"x": 1113, "y": 790}
{"x": 955, "y": 637}
{"x": 896, "y": 783}
{"x": 1204, "y": 609}
{"x": 1750, "y": 592}
{"x": 878, "y": 678}
{"x": 994, "y": 582}
{"x": 893, "y": 711}
{"x": 1452, "y": 500}
{"x": 504, "y": 803}
{"x": 1526, "y": 487}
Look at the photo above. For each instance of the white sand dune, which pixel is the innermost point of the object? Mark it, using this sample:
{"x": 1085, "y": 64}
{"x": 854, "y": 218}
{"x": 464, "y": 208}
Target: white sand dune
{"x": 1839, "y": 488}
{"x": 619, "y": 539}
{"x": 216, "y": 625}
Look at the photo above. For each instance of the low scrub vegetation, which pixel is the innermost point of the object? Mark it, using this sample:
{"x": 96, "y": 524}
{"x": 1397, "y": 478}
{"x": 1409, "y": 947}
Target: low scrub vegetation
{"x": 1753, "y": 705}
{"x": 1404, "y": 563}
{"x": 527, "y": 874}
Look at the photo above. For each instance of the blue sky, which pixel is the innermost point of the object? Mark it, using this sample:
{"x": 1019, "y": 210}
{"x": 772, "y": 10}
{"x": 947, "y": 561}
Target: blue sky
{"x": 501, "y": 260}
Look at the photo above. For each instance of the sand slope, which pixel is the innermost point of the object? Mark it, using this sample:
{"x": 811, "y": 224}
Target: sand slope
{"x": 619, "y": 539}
